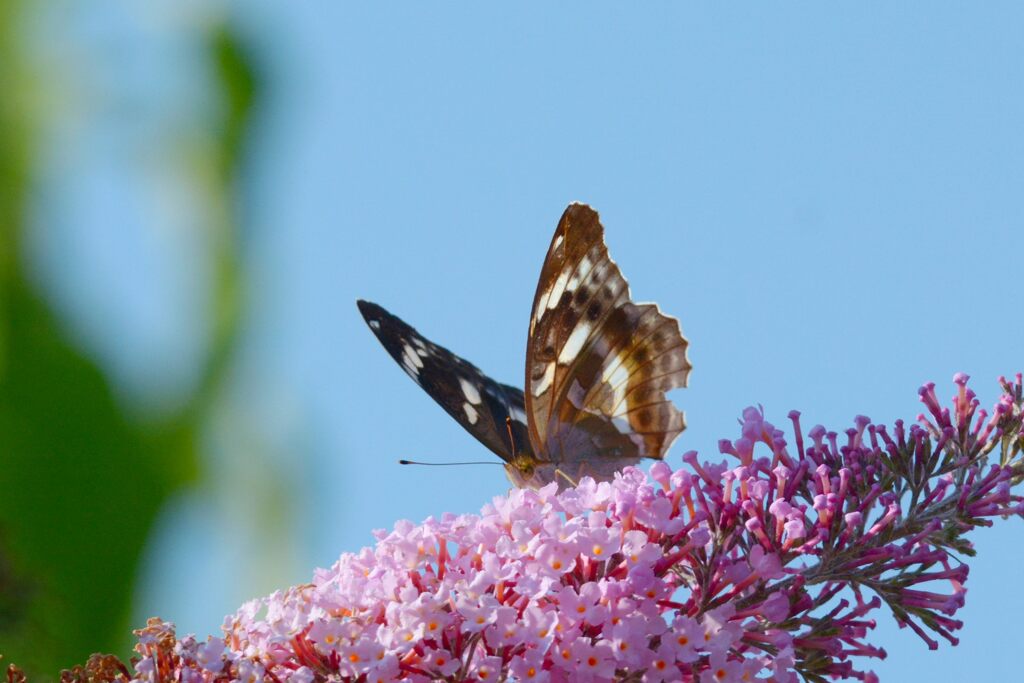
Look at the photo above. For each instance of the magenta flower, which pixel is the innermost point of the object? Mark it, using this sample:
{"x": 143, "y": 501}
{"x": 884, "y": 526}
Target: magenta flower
{"x": 765, "y": 568}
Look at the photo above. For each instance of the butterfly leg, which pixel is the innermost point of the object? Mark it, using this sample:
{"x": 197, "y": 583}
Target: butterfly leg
{"x": 569, "y": 479}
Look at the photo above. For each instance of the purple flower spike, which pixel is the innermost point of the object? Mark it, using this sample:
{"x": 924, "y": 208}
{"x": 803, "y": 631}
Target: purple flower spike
{"x": 768, "y": 569}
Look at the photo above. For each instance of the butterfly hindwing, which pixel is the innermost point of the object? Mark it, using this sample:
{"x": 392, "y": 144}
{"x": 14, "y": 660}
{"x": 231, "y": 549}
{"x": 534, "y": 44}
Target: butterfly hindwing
{"x": 478, "y": 403}
{"x": 598, "y": 365}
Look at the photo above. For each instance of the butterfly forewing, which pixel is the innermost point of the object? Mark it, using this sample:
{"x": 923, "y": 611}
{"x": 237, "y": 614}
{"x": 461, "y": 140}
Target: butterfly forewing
{"x": 598, "y": 365}
{"x": 477, "y": 402}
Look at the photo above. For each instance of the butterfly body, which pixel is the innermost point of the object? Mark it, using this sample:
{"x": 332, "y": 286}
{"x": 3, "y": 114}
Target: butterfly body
{"x": 597, "y": 369}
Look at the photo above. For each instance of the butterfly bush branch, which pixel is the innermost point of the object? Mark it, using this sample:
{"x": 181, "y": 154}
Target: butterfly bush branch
{"x": 769, "y": 565}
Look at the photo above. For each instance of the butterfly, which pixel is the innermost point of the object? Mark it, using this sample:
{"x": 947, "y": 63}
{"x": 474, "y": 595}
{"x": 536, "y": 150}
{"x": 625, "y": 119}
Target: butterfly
{"x": 597, "y": 369}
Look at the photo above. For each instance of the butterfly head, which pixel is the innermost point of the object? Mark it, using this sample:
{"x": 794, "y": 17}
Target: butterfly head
{"x": 524, "y": 471}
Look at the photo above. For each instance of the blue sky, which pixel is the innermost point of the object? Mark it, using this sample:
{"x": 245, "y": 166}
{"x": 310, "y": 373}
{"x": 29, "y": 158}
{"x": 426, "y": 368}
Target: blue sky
{"x": 827, "y": 198}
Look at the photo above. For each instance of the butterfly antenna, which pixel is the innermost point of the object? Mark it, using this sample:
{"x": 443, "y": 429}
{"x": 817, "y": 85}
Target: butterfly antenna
{"x": 446, "y": 464}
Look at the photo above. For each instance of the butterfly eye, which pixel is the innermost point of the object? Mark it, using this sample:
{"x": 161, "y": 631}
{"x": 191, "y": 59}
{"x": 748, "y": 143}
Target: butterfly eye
{"x": 524, "y": 466}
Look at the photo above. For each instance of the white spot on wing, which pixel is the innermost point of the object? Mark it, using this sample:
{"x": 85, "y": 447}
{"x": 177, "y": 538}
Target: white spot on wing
{"x": 616, "y": 376}
{"x": 472, "y": 395}
{"x": 374, "y": 324}
{"x": 411, "y": 357}
{"x": 557, "y": 243}
{"x": 518, "y": 414}
{"x": 582, "y": 271}
{"x": 471, "y": 413}
{"x": 574, "y": 343}
{"x": 615, "y": 373}
{"x": 411, "y": 369}
{"x": 555, "y": 295}
{"x": 542, "y": 306}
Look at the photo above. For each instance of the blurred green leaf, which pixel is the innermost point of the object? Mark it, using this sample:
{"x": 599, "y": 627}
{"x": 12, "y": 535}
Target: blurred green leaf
{"x": 238, "y": 85}
{"x": 81, "y": 482}
{"x": 81, "y": 487}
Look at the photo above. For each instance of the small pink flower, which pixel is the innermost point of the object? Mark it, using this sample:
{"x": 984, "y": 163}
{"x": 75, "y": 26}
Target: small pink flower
{"x": 720, "y": 634}
{"x": 594, "y": 661}
{"x": 662, "y": 667}
{"x": 441, "y": 661}
{"x": 506, "y": 628}
{"x": 538, "y": 627}
{"x": 767, "y": 565}
{"x": 529, "y": 667}
{"x": 630, "y": 640}
{"x": 637, "y": 548}
{"x": 686, "y": 639}
{"x": 487, "y": 669}
{"x": 478, "y": 615}
{"x": 250, "y": 671}
{"x": 210, "y": 655}
{"x": 597, "y": 542}
{"x": 556, "y": 559}
{"x": 722, "y": 670}
{"x": 579, "y": 605}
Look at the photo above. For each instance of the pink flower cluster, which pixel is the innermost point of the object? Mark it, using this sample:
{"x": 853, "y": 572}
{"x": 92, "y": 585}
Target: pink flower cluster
{"x": 541, "y": 586}
{"x": 761, "y": 569}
